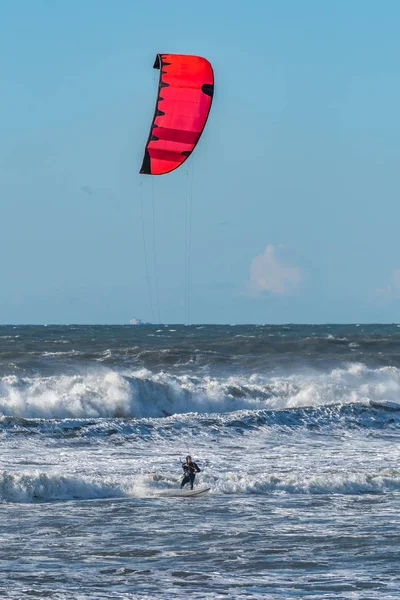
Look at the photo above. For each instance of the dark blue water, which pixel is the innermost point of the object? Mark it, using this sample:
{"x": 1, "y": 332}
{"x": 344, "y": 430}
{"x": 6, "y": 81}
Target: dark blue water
{"x": 295, "y": 428}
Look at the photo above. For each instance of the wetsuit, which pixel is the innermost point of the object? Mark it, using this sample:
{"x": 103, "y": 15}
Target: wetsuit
{"x": 190, "y": 469}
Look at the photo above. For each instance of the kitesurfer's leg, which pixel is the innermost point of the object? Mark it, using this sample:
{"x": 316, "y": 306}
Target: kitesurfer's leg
{"x": 185, "y": 480}
{"x": 192, "y": 477}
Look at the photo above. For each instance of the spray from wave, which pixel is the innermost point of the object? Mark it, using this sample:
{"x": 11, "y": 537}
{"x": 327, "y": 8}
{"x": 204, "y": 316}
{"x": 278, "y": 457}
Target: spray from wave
{"x": 140, "y": 394}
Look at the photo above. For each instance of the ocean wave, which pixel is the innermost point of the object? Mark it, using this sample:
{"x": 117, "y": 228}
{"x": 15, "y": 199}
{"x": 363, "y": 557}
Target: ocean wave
{"x": 142, "y": 394}
{"x": 40, "y": 486}
{"x": 241, "y": 423}
{"x": 90, "y": 395}
{"x": 328, "y": 483}
{"x": 215, "y": 349}
{"x": 37, "y": 486}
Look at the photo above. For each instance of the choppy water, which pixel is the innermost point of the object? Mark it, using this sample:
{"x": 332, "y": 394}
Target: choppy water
{"x": 296, "y": 430}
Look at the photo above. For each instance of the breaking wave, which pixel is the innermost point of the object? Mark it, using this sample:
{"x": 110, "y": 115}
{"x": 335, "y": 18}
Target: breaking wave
{"x": 38, "y": 486}
{"x": 142, "y": 394}
{"x": 332, "y": 483}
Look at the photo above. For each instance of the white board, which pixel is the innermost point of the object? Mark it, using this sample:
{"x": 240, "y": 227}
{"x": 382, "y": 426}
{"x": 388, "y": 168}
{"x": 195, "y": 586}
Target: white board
{"x": 185, "y": 493}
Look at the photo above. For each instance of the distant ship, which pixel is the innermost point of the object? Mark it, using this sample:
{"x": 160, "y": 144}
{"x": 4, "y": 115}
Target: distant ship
{"x": 135, "y": 321}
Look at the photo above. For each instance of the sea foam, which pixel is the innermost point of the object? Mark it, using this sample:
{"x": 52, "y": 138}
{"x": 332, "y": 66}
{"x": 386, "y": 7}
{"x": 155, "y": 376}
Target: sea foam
{"x": 110, "y": 393}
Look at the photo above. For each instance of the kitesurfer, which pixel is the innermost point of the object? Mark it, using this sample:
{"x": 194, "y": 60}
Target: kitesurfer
{"x": 190, "y": 469}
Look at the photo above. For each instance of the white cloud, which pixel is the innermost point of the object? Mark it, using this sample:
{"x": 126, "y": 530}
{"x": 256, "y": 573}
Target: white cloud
{"x": 392, "y": 290}
{"x": 268, "y": 274}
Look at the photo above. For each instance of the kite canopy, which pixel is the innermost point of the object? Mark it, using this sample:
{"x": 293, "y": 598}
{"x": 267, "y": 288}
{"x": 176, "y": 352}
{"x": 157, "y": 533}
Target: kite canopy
{"x": 185, "y": 92}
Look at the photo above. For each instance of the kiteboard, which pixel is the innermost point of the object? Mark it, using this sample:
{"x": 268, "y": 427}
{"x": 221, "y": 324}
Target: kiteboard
{"x": 186, "y": 493}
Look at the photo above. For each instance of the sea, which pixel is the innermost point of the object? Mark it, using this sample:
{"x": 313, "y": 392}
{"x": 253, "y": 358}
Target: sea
{"x": 296, "y": 430}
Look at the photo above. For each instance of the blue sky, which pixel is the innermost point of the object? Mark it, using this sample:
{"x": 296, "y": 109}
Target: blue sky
{"x": 295, "y": 180}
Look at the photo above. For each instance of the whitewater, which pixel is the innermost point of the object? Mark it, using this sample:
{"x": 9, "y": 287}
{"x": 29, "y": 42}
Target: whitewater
{"x": 295, "y": 429}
